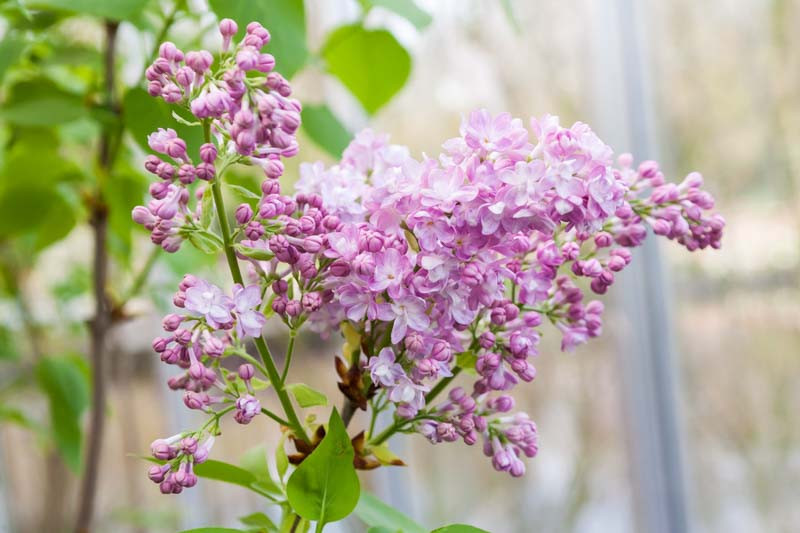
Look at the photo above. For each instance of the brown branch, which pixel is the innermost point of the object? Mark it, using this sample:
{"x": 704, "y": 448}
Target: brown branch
{"x": 102, "y": 320}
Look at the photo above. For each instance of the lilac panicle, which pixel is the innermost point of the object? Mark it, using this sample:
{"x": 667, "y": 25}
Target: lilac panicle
{"x": 439, "y": 265}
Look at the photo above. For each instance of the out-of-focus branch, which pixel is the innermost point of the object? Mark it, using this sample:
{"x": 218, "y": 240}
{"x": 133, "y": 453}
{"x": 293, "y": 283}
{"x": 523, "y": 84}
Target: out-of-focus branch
{"x": 102, "y": 320}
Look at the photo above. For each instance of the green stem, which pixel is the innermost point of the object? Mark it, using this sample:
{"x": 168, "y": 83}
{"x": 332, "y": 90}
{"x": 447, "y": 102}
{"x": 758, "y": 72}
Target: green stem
{"x": 441, "y": 386}
{"x": 394, "y": 428}
{"x": 289, "y": 352}
{"x": 236, "y": 273}
{"x": 280, "y": 389}
{"x": 230, "y": 253}
{"x": 275, "y": 417}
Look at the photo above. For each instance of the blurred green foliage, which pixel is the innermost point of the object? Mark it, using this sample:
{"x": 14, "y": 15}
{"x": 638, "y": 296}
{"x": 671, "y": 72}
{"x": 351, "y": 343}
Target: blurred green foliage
{"x": 57, "y": 110}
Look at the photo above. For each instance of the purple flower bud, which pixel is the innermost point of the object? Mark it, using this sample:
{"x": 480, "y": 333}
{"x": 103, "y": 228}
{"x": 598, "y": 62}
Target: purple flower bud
{"x": 502, "y": 404}
{"x": 208, "y": 153}
{"x": 228, "y": 29}
{"x": 184, "y": 77}
{"x": 244, "y": 213}
{"x": 154, "y": 88}
{"x": 171, "y": 322}
{"x": 311, "y": 301}
{"x": 159, "y": 190}
{"x": 498, "y": 316}
{"x": 307, "y": 224}
{"x": 199, "y": 61}
{"x": 648, "y": 169}
{"x": 189, "y": 445}
{"x": 160, "y": 344}
{"x": 414, "y": 343}
{"x": 470, "y": 438}
{"x": 247, "y": 58}
{"x": 170, "y": 52}
{"x": 254, "y": 230}
{"x": 247, "y": 371}
{"x": 457, "y": 394}
{"x": 205, "y": 171}
{"x": 486, "y": 340}
{"x": 197, "y": 371}
{"x": 340, "y": 268}
{"x": 142, "y": 215}
{"x": 183, "y": 336}
{"x": 156, "y": 473}
{"x": 194, "y": 400}
{"x": 273, "y": 168}
{"x": 186, "y": 174}
{"x": 441, "y": 351}
{"x": 279, "y": 306}
{"x": 512, "y": 311}
{"x": 265, "y": 63}
{"x": 313, "y": 244}
{"x": 280, "y": 286}
{"x": 293, "y": 308}
{"x": 603, "y": 239}
{"x": 161, "y": 449}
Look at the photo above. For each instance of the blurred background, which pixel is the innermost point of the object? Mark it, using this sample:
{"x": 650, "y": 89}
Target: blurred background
{"x": 682, "y": 417}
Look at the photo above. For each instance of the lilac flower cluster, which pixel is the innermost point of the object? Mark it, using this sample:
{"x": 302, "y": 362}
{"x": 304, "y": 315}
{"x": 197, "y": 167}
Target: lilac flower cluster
{"x": 212, "y": 325}
{"x": 429, "y": 268}
{"x": 470, "y": 252}
{"x": 251, "y": 117}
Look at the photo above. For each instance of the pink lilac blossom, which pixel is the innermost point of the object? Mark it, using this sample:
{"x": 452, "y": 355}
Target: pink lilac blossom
{"x": 443, "y": 265}
{"x": 477, "y": 247}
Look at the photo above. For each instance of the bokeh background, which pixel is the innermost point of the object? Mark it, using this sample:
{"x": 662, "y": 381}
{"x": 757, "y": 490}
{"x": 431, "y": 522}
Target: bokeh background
{"x": 712, "y": 86}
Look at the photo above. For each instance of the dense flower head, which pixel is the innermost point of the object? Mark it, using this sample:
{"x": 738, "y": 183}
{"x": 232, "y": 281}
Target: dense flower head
{"x": 429, "y": 268}
{"x": 471, "y": 252}
{"x": 251, "y": 118}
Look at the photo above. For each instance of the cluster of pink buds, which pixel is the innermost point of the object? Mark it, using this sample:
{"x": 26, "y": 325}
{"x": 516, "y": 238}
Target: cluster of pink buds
{"x": 252, "y": 119}
{"x": 180, "y": 453}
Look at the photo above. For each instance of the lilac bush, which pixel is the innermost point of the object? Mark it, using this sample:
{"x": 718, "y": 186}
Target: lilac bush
{"x": 428, "y": 268}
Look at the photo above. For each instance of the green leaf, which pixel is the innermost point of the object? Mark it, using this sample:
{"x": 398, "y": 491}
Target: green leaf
{"x": 244, "y": 192}
{"x": 66, "y": 385}
{"x": 281, "y": 459}
{"x": 286, "y": 21}
{"x": 185, "y": 122}
{"x": 207, "y": 208}
{"x": 325, "y": 486}
{"x": 259, "y": 520}
{"x": 376, "y": 513}
{"x": 205, "y": 241}
{"x": 254, "y": 461}
{"x": 306, "y": 396}
{"x": 221, "y": 471}
{"x": 370, "y": 63}
{"x": 459, "y": 528}
{"x": 466, "y": 361}
{"x": 35, "y": 205}
{"x": 143, "y": 114}
{"x": 40, "y": 102}
{"x": 115, "y": 10}
{"x": 325, "y": 129}
{"x": 384, "y": 529}
{"x": 253, "y": 253}
{"x": 407, "y": 9}
{"x": 11, "y": 48}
